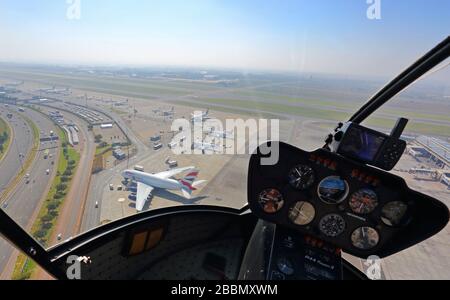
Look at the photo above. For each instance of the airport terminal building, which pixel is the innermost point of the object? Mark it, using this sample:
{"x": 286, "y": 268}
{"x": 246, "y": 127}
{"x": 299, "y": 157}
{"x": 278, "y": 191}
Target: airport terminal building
{"x": 436, "y": 151}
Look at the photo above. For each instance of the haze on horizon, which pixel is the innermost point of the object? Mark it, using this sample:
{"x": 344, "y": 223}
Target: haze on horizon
{"x": 320, "y": 36}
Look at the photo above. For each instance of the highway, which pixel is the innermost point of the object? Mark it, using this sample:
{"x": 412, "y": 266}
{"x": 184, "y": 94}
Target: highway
{"x": 22, "y": 142}
{"x": 74, "y": 210}
{"x": 25, "y": 201}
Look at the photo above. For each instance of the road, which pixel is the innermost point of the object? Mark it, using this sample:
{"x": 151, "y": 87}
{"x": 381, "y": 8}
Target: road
{"x": 74, "y": 209}
{"x": 22, "y": 142}
{"x": 69, "y": 220}
{"x": 91, "y": 218}
{"x": 25, "y": 201}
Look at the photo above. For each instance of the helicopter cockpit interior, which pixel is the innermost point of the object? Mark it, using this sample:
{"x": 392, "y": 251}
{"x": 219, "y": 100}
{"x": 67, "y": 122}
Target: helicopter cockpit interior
{"x": 303, "y": 212}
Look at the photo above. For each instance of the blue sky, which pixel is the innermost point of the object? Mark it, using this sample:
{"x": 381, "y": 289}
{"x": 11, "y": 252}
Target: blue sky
{"x": 331, "y": 36}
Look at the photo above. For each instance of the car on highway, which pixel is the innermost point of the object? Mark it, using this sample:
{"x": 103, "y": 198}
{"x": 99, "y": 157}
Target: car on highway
{"x": 27, "y": 178}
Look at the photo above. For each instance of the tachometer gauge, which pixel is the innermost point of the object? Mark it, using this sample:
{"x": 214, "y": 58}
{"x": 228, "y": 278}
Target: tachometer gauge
{"x": 271, "y": 201}
{"x": 332, "y": 225}
{"x": 301, "y": 177}
{"x": 365, "y": 238}
{"x": 363, "y": 201}
{"x": 333, "y": 190}
{"x": 393, "y": 213}
{"x": 302, "y": 213}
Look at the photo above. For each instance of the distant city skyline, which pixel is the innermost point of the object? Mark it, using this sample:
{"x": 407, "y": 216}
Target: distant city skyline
{"x": 333, "y": 37}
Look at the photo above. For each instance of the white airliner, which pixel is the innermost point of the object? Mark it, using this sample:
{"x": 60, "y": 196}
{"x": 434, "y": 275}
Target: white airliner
{"x": 200, "y": 116}
{"x": 222, "y": 134}
{"x": 54, "y": 90}
{"x": 207, "y": 147}
{"x": 147, "y": 182}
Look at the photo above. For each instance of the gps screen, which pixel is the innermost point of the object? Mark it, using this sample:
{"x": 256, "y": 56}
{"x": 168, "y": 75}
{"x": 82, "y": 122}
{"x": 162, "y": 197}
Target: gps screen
{"x": 361, "y": 144}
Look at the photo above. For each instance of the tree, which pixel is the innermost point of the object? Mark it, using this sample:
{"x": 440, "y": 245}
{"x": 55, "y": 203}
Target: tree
{"x": 61, "y": 187}
{"x": 53, "y": 213}
{"x": 40, "y": 233}
{"x": 52, "y": 206}
{"x": 58, "y": 196}
{"x": 46, "y": 219}
{"x": 47, "y": 226}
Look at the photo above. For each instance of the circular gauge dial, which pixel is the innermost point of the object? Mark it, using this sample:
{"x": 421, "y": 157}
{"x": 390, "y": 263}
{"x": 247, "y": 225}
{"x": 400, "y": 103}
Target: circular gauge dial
{"x": 302, "y": 213}
{"x": 363, "y": 201}
{"x": 271, "y": 201}
{"x": 301, "y": 177}
{"x": 365, "y": 238}
{"x": 333, "y": 190}
{"x": 393, "y": 213}
{"x": 332, "y": 225}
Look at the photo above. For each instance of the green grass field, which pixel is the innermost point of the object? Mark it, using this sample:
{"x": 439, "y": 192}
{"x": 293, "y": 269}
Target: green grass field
{"x": 4, "y": 129}
{"x": 288, "y": 105}
{"x": 329, "y": 115}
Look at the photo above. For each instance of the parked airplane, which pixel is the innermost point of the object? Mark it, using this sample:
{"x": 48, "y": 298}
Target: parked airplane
{"x": 206, "y": 147}
{"x": 200, "y": 116}
{"x": 164, "y": 113}
{"x": 59, "y": 91}
{"x": 147, "y": 182}
{"x": 54, "y": 90}
{"x": 222, "y": 134}
{"x": 45, "y": 89}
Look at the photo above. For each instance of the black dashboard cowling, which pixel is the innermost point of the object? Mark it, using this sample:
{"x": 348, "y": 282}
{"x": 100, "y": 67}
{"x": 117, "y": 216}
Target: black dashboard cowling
{"x": 424, "y": 216}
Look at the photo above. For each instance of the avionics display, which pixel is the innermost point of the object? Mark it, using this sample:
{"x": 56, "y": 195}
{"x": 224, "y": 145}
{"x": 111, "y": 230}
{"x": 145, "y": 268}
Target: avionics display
{"x": 362, "y": 144}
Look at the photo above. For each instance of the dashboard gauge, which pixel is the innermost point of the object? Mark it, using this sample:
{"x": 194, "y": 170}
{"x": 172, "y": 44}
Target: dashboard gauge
{"x": 363, "y": 201}
{"x": 332, "y": 225}
{"x": 333, "y": 190}
{"x": 302, "y": 213}
{"x": 271, "y": 201}
{"x": 393, "y": 213}
{"x": 285, "y": 266}
{"x": 365, "y": 238}
{"x": 301, "y": 177}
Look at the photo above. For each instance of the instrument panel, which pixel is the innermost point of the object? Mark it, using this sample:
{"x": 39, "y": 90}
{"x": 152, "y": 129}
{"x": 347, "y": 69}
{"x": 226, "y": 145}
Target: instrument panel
{"x": 361, "y": 209}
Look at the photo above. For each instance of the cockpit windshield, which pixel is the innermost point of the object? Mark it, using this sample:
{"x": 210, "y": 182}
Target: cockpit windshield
{"x": 112, "y": 109}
